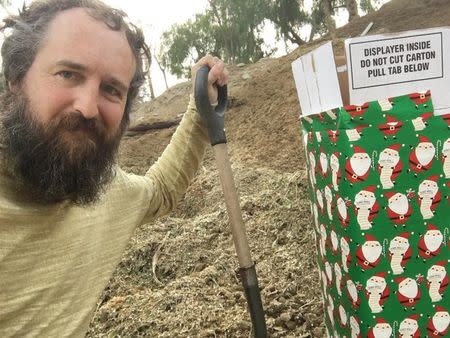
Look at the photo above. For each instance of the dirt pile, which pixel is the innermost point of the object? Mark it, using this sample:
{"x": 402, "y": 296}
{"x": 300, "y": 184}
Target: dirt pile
{"x": 178, "y": 277}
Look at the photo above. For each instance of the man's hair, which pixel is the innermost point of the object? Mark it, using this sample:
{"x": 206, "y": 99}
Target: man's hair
{"x": 29, "y": 28}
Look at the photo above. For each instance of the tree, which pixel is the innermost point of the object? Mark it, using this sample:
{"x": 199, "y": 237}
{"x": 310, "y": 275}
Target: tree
{"x": 239, "y": 28}
{"x": 148, "y": 63}
{"x": 321, "y": 18}
{"x": 368, "y": 6}
{"x": 352, "y": 9}
{"x": 162, "y": 68}
{"x": 289, "y": 17}
{"x": 327, "y": 7}
{"x": 323, "y": 10}
{"x": 184, "y": 44}
{"x": 230, "y": 29}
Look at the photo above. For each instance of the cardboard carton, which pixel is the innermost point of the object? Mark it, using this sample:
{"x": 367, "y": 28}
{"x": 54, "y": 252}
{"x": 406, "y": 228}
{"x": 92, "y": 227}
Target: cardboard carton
{"x": 376, "y": 67}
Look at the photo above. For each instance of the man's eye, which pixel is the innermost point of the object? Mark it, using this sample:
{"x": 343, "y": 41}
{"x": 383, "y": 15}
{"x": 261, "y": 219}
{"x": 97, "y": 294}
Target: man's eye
{"x": 111, "y": 91}
{"x": 66, "y": 74}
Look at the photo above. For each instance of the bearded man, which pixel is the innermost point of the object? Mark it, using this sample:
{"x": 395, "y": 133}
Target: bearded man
{"x": 73, "y": 70}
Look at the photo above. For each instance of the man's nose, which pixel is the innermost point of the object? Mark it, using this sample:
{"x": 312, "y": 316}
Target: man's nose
{"x": 87, "y": 101}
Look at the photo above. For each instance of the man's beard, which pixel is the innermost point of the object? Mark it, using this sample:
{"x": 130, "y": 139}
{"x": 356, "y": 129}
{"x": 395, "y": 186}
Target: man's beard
{"x": 54, "y": 163}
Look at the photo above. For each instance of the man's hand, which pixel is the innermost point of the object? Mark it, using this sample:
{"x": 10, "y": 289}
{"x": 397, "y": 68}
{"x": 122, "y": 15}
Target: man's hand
{"x": 218, "y": 75}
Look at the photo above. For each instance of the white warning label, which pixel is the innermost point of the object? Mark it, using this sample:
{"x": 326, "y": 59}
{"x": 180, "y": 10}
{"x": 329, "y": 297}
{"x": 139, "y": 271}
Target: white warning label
{"x": 396, "y": 60}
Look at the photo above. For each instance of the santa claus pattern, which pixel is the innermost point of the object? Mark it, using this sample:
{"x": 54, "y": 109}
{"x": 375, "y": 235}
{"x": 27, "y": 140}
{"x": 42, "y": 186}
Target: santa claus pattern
{"x": 366, "y": 207}
{"x": 437, "y": 281}
{"x": 380, "y": 190}
{"x": 357, "y": 167}
{"x": 399, "y": 253}
{"x": 438, "y": 325}
{"x": 368, "y": 255}
{"x": 409, "y": 327}
{"x": 431, "y": 242}
{"x": 421, "y": 157}
{"x": 429, "y": 196}
{"x": 390, "y": 127}
{"x": 382, "y": 329}
{"x": 389, "y": 165}
{"x": 399, "y": 209}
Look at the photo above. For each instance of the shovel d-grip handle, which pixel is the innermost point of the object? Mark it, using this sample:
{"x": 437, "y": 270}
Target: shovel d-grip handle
{"x": 214, "y": 117}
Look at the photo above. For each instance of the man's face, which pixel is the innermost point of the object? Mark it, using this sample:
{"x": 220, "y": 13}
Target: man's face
{"x": 69, "y": 108}
{"x": 82, "y": 66}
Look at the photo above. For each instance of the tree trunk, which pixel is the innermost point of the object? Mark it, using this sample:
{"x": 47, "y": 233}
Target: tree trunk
{"x": 163, "y": 71}
{"x": 150, "y": 86}
{"x": 329, "y": 21}
{"x": 295, "y": 38}
{"x": 367, "y": 6}
{"x": 148, "y": 61}
{"x": 352, "y": 8}
{"x": 312, "y": 33}
{"x": 291, "y": 34}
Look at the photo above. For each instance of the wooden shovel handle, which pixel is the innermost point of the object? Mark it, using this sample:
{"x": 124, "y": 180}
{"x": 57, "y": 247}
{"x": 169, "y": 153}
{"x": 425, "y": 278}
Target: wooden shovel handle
{"x": 232, "y": 204}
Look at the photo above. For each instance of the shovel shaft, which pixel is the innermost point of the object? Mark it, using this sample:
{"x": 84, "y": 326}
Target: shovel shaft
{"x": 247, "y": 267}
{"x": 232, "y": 204}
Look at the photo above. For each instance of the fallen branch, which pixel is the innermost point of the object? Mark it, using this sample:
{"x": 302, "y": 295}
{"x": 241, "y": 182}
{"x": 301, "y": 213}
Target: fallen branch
{"x": 145, "y": 127}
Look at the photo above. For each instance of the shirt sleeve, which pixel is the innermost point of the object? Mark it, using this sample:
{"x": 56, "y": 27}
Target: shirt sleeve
{"x": 171, "y": 175}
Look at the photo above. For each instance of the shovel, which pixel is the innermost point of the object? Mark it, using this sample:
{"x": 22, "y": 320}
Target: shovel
{"x": 214, "y": 121}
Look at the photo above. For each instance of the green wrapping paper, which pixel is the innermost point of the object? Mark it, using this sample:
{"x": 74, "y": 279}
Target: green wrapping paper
{"x": 379, "y": 186}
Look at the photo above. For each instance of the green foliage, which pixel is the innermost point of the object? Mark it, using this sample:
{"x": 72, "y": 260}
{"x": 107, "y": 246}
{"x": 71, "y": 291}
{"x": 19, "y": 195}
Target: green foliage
{"x": 318, "y": 16}
{"x": 238, "y": 29}
{"x": 318, "y": 19}
{"x": 289, "y": 17}
{"x": 368, "y": 6}
{"x": 230, "y": 29}
{"x": 186, "y": 43}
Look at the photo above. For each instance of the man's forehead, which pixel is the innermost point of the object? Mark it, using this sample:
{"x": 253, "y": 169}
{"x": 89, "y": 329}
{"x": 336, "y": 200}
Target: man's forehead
{"x": 74, "y": 34}
{"x": 77, "y": 21}
{"x": 73, "y": 17}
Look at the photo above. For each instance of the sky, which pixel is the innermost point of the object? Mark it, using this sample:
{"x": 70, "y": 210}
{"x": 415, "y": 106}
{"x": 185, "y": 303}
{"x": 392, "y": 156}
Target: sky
{"x": 156, "y": 16}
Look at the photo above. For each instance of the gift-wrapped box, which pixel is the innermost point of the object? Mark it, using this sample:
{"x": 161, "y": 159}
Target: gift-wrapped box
{"x": 379, "y": 189}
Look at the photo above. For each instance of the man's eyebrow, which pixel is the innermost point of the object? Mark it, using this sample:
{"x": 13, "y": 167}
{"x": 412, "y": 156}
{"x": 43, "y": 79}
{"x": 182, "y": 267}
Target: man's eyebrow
{"x": 72, "y": 65}
{"x": 118, "y": 84}
{"x": 80, "y": 67}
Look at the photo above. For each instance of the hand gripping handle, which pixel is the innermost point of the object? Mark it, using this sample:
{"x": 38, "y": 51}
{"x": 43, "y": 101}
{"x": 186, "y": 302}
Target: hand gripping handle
{"x": 213, "y": 117}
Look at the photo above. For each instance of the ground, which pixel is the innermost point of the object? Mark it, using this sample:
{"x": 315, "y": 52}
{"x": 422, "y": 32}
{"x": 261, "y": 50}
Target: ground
{"x": 178, "y": 277}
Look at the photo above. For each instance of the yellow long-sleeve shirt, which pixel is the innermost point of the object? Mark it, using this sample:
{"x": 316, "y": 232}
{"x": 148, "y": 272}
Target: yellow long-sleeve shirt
{"x": 56, "y": 260}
